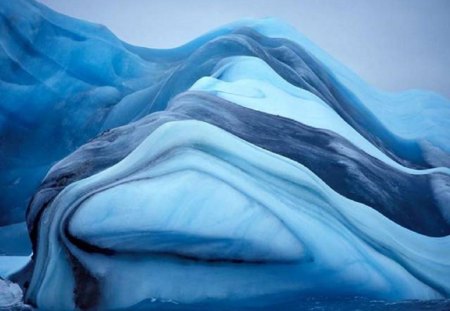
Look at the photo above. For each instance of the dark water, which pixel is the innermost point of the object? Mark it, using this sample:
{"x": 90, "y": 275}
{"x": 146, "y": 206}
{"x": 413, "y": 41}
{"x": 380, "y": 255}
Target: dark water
{"x": 306, "y": 304}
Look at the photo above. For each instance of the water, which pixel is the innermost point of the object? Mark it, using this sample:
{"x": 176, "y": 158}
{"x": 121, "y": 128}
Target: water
{"x": 304, "y": 304}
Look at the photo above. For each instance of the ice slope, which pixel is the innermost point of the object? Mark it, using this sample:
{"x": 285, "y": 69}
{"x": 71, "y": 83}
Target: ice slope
{"x": 12, "y": 264}
{"x": 246, "y": 163}
{"x": 58, "y": 78}
{"x": 335, "y": 160}
{"x": 210, "y": 208}
{"x": 250, "y": 82}
{"x": 75, "y": 79}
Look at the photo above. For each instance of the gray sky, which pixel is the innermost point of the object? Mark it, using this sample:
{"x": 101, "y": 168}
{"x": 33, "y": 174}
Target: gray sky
{"x": 392, "y": 44}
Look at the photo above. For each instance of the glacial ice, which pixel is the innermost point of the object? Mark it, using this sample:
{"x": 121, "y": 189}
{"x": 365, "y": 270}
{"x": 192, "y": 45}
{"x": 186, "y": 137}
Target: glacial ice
{"x": 245, "y": 163}
{"x": 164, "y": 234}
{"x": 12, "y": 264}
{"x": 10, "y": 295}
{"x": 251, "y": 83}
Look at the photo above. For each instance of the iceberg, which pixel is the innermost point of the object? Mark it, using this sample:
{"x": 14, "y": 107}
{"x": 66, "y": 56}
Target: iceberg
{"x": 244, "y": 164}
{"x": 205, "y": 199}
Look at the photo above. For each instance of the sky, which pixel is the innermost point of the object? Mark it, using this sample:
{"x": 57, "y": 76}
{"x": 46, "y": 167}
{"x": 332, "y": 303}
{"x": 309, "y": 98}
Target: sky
{"x": 392, "y": 44}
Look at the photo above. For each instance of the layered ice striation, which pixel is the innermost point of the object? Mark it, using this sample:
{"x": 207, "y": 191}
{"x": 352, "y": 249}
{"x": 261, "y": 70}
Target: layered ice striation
{"x": 246, "y": 163}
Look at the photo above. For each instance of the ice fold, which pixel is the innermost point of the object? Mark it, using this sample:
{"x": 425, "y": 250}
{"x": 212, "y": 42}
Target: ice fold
{"x": 245, "y": 163}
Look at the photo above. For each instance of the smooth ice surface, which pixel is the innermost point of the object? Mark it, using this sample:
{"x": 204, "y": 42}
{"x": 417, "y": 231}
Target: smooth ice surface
{"x": 244, "y": 165}
{"x": 12, "y": 264}
{"x": 103, "y": 83}
{"x": 160, "y": 221}
{"x": 376, "y": 257}
{"x": 343, "y": 166}
{"x": 14, "y": 240}
{"x": 250, "y": 82}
